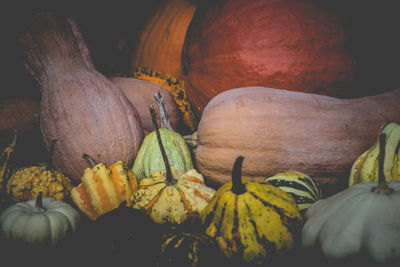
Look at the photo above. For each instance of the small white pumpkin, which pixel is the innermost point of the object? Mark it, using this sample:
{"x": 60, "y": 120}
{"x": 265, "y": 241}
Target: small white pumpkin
{"x": 361, "y": 220}
{"x": 38, "y": 222}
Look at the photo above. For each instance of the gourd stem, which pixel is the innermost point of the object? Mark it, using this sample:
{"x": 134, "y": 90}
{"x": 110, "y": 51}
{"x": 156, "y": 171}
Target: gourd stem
{"x": 165, "y": 123}
{"x": 382, "y": 187}
{"x": 89, "y": 159}
{"x": 39, "y": 201}
{"x": 169, "y": 179}
{"x": 14, "y": 141}
{"x": 238, "y": 187}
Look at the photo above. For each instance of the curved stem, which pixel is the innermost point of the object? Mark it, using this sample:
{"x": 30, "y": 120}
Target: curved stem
{"x": 169, "y": 179}
{"x": 382, "y": 187}
{"x": 238, "y": 187}
{"x": 165, "y": 122}
{"x": 89, "y": 159}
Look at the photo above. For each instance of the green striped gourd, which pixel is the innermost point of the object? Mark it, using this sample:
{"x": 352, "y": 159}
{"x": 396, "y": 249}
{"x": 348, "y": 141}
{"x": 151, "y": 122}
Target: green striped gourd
{"x": 149, "y": 158}
{"x": 171, "y": 196}
{"x": 366, "y": 167}
{"x": 251, "y": 221}
{"x": 189, "y": 249}
{"x": 300, "y": 186}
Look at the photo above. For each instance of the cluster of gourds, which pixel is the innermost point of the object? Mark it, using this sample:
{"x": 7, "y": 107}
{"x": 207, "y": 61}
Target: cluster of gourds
{"x": 296, "y": 145}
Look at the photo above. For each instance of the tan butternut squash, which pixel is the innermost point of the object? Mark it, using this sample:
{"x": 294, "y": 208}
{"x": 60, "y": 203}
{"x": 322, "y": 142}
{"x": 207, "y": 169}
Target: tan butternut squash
{"x": 279, "y": 130}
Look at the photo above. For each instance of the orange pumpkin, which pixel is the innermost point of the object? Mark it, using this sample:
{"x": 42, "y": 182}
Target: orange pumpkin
{"x": 161, "y": 39}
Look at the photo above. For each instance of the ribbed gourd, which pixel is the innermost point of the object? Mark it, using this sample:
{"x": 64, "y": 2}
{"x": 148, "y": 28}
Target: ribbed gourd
{"x": 251, "y": 221}
{"x": 304, "y": 189}
{"x": 103, "y": 188}
{"x": 366, "y": 167}
{"x": 171, "y": 196}
{"x": 189, "y": 249}
{"x": 149, "y": 158}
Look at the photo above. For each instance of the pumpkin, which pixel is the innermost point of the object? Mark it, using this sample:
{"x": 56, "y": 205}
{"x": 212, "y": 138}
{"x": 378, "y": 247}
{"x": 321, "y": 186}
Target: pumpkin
{"x": 189, "y": 249}
{"x": 293, "y": 45}
{"x": 279, "y": 130}
{"x": 171, "y": 196}
{"x": 365, "y": 168}
{"x": 103, "y": 187}
{"x": 39, "y": 222}
{"x": 161, "y": 39}
{"x": 252, "y": 221}
{"x": 176, "y": 88}
{"x": 141, "y": 94}
{"x": 150, "y": 159}
{"x": 80, "y": 107}
{"x": 360, "y": 221}
{"x": 304, "y": 189}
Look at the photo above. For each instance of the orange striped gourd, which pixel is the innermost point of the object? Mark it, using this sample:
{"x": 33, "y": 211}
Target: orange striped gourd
{"x": 251, "y": 221}
{"x": 103, "y": 188}
{"x": 171, "y": 196}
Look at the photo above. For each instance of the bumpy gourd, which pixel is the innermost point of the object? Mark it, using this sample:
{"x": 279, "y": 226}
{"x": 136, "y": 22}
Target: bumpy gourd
{"x": 149, "y": 158}
{"x": 38, "y": 222}
{"x": 103, "y": 188}
{"x": 304, "y": 189}
{"x": 252, "y": 221}
{"x": 171, "y": 196}
{"x": 366, "y": 167}
{"x": 362, "y": 220}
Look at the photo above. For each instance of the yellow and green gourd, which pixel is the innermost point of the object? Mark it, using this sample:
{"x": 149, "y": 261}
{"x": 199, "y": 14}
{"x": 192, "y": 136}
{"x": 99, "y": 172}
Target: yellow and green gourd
{"x": 251, "y": 221}
{"x": 171, "y": 196}
{"x": 304, "y": 189}
{"x": 366, "y": 167}
{"x": 149, "y": 158}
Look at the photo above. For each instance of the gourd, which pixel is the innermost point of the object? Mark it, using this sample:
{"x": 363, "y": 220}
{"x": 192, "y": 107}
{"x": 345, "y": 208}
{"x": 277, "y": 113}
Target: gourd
{"x": 150, "y": 159}
{"x": 172, "y": 196}
{"x": 141, "y": 94}
{"x": 304, "y": 189}
{"x": 27, "y": 182}
{"x": 365, "y": 168}
{"x": 38, "y": 222}
{"x": 279, "y": 130}
{"x": 161, "y": 39}
{"x": 189, "y": 249}
{"x": 80, "y": 107}
{"x": 252, "y": 221}
{"x": 292, "y": 45}
{"x": 103, "y": 188}
{"x": 360, "y": 221}
{"x": 6, "y": 156}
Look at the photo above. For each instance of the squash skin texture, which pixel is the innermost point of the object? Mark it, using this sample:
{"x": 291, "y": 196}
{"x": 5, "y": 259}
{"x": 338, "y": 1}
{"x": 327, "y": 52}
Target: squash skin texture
{"x": 259, "y": 224}
{"x": 355, "y": 221}
{"x": 279, "y": 130}
{"x": 173, "y": 204}
{"x": 366, "y": 167}
{"x": 149, "y": 158}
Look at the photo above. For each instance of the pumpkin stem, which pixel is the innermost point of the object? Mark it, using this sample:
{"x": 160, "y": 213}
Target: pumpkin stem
{"x": 89, "y": 159}
{"x": 238, "y": 187}
{"x": 165, "y": 122}
{"x": 382, "y": 187}
{"x": 169, "y": 179}
{"x": 39, "y": 202}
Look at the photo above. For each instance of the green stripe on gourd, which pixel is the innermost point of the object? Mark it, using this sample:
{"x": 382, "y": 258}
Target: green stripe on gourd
{"x": 366, "y": 167}
{"x": 300, "y": 186}
{"x": 251, "y": 221}
{"x": 149, "y": 158}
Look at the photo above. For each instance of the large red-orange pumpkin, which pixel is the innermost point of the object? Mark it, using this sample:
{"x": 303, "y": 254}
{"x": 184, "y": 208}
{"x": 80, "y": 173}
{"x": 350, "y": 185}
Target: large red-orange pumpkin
{"x": 80, "y": 108}
{"x": 289, "y": 44}
{"x": 161, "y": 39}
